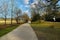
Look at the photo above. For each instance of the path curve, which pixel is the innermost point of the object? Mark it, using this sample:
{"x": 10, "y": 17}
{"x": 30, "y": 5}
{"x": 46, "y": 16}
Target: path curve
{"x": 23, "y": 32}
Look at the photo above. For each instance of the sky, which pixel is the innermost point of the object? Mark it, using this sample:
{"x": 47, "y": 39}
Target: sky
{"x": 24, "y": 5}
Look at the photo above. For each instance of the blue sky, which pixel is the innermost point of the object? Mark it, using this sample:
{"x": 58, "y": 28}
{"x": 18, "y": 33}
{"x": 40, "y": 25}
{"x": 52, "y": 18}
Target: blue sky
{"x": 24, "y": 5}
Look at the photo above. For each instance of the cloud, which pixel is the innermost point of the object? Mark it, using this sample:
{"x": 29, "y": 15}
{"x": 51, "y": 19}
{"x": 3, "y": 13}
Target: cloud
{"x": 36, "y": 1}
{"x": 26, "y": 11}
{"x": 27, "y": 6}
{"x": 26, "y": 1}
{"x": 33, "y": 4}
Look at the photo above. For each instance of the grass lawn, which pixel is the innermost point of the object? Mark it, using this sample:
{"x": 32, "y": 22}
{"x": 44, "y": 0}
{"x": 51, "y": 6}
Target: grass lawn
{"x": 7, "y": 29}
{"x": 47, "y": 30}
{"x": 7, "y": 22}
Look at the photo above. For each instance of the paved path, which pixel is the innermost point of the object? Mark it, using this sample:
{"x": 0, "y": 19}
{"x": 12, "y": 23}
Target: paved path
{"x": 23, "y": 32}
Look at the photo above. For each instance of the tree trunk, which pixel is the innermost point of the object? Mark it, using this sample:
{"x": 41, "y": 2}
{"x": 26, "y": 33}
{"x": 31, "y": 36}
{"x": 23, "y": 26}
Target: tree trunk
{"x": 17, "y": 20}
{"x": 11, "y": 21}
{"x": 11, "y": 16}
{"x": 5, "y": 19}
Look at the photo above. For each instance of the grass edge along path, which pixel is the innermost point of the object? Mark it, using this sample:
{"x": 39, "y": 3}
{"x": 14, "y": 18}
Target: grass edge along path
{"x": 8, "y": 29}
{"x": 45, "y": 31}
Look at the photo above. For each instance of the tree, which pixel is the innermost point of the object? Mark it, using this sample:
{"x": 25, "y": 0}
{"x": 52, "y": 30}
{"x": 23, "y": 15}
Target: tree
{"x": 35, "y": 11}
{"x": 25, "y": 17}
{"x": 17, "y": 14}
{"x": 12, "y": 5}
{"x": 51, "y": 9}
{"x": 5, "y": 11}
{"x": 35, "y": 16}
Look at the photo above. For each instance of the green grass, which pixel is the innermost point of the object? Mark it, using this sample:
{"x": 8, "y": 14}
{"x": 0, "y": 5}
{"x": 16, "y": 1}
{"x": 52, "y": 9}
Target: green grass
{"x": 8, "y": 29}
{"x": 47, "y": 30}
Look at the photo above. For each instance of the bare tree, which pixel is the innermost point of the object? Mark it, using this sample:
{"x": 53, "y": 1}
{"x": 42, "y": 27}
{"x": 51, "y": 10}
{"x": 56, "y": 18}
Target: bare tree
{"x": 51, "y": 9}
{"x": 26, "y": 17}
{"x": 5, "y": 10}
{"x": 12, "y": 5}
{"x": 35, "y": 11}
{"x": 17, "y": 14}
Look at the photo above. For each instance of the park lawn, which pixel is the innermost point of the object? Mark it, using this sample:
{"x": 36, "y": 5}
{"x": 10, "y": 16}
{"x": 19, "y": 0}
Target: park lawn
{"x": 8, "y": 28}
{"x": 7, "y": 22}
{"x": 47, "y": 30}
